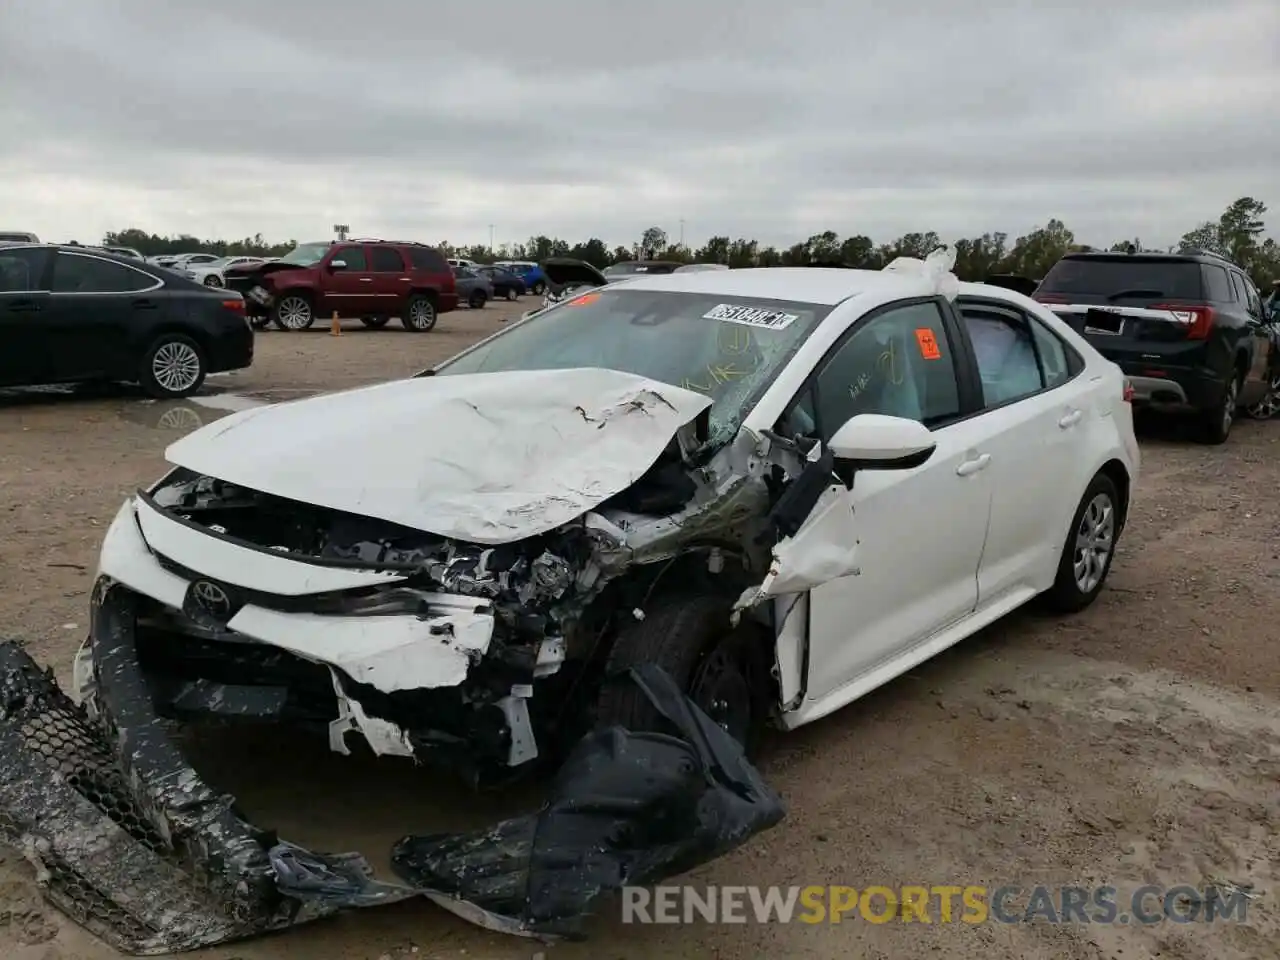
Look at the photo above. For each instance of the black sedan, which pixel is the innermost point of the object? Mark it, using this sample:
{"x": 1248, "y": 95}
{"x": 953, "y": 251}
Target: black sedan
{"x": 505, "y": 283}
{"x": 70, "y": 314}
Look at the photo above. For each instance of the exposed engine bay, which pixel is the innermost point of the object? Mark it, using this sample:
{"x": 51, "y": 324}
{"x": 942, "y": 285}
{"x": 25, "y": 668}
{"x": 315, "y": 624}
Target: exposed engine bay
{"x": 526, "y": 655}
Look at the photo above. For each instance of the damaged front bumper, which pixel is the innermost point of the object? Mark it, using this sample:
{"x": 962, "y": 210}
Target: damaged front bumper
{"x": 129, "y": 841}
{"x": 210, "y": 647}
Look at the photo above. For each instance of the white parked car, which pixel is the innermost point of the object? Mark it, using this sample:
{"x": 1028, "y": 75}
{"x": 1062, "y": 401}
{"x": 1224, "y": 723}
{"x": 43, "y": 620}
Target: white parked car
{"x": 783, "y": 486}
{"x": 462, "y": 262}
{"x": 211, "y": 272}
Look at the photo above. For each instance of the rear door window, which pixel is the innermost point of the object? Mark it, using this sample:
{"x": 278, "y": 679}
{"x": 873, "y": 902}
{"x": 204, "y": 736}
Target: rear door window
{"x": 73, "y": 273}
{"x": 1237, "y": 283}
{"x": 387, "y": 260}
{"x": 428, "y": 259}
{"x": 1124, "y": 278}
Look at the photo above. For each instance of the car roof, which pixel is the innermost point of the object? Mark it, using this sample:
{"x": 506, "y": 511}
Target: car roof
{"x": 824, "y": 285}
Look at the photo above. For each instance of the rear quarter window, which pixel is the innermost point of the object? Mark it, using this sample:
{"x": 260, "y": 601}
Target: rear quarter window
{"x": 1125, "y": 277}
{"x": 1217, "y": 285}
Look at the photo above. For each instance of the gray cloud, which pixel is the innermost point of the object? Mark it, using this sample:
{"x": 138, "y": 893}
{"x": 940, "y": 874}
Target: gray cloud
{"x": 573, "y": 118}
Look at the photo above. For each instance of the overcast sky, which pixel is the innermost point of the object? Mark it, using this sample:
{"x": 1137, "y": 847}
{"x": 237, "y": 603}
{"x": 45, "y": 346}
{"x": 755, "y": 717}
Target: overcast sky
{"x": 762, "y": 118}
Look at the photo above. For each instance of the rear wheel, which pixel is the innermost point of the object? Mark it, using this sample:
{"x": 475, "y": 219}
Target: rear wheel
{"x": 293, "y": 311}
{"x": 213, "y": 280}
{"x": 511, "y": 293}
{"x": 419, "y": 313}
{"x": 1215, "y": 424}
{"x": 538, "y": 288}
{"x": 1090, "y": 547}
{"x": 477, "y": 300}
{"x": 172, "y": 367}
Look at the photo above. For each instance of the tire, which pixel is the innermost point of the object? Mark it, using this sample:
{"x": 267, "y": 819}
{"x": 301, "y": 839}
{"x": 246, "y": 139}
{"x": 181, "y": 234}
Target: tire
{"x": 690, "y": 637}
{"x": 293, "y": 311}
{"x": 477, "y": 300}
{"x": 420, "y": 313}
{"x": 538, "y": 288}
{"x": 259, "y": 322}
{"x": 173, "y": 367}
{"x": 1098, "y": 514}
{"x": 511, "y": 293}
{"x": 375, "y": 323}
{"x": 1215, "y": 424}
{"x": 1267, "y": 407}
{"x": 213, "y": 280}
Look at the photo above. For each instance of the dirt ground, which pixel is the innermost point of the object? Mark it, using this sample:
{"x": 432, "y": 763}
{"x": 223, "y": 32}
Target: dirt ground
{"x": 1138, "y": 742}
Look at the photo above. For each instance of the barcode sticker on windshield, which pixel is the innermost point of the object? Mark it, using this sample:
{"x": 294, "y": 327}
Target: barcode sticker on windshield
{"x": 751, "y": 316}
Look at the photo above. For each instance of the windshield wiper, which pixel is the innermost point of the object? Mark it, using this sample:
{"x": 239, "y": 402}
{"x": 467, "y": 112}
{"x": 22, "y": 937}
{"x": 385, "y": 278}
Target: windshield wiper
{"x": 1136, "y": 292}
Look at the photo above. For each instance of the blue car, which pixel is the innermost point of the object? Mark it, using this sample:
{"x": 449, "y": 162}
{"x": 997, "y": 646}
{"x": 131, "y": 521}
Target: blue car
{"x": 535, "y": 281}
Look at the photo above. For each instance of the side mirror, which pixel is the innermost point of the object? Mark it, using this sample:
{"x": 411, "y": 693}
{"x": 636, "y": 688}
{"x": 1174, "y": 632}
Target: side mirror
{"x": 873, "y": 441}
{"x": 337, "y": 264}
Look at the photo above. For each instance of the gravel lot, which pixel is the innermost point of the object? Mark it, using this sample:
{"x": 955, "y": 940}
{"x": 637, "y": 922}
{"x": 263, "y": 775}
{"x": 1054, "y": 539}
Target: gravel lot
{"x": 1136, "y": 743}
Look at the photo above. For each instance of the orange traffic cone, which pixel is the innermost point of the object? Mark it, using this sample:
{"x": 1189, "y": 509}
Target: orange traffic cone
{"x": 335, "y": 327}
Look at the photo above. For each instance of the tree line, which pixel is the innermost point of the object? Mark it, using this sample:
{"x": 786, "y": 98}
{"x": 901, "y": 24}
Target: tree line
{"x": 1238, "y": 234}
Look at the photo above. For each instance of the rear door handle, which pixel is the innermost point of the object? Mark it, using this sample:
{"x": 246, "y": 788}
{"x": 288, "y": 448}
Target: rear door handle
{"x": 970, "y": 467}
{"x": 1071, "y": 419}
{"x": 366, "y": 279}
{"x": 24, "y": 306}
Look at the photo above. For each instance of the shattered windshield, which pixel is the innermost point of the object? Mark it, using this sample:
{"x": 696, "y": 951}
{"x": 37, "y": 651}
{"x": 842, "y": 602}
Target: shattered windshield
{"x": 306, "y": 254}
{"x": 726, "y": 347}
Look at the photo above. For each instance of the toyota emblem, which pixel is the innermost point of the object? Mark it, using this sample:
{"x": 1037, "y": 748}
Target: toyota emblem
{"x": 211, "y": 599}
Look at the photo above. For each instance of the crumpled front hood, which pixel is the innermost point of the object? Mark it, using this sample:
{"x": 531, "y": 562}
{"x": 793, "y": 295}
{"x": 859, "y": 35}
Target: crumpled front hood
{"x": 485, "y": 457}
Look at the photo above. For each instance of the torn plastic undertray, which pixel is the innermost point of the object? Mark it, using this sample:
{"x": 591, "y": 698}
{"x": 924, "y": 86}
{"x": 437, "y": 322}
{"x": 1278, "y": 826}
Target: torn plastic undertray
{"x": 129, "y": 842}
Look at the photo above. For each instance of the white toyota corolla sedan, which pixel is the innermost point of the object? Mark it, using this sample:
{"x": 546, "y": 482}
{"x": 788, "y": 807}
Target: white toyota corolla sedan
{"x": 784, "y": 486}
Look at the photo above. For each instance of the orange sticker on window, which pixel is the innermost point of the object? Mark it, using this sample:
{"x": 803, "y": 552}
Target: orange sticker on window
{"x": 583, "y": 300}
{"x": 928, "y": 344}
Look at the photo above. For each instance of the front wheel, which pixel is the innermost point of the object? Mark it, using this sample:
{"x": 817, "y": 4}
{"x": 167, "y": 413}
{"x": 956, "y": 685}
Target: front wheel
{"x": 1090, "y": 547}
{"x": 259, "y": 322}
{"x": 293, "y": 312}
{"x": 1266, "y": 408}
{"x": 419, "y": 313}
{"x": 173, "y": 367}
{"x": 691, "y": 638}
{"x": 213, "y": 280}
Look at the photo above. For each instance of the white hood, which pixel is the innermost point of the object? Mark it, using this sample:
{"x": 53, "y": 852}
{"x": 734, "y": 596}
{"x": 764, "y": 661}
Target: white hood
{"x": 485, "y": 457}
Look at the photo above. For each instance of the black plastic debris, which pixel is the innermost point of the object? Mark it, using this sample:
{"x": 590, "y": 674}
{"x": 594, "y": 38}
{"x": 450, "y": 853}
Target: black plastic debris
{"x": 625, "y": 809}
{"x": 133, "y": 845}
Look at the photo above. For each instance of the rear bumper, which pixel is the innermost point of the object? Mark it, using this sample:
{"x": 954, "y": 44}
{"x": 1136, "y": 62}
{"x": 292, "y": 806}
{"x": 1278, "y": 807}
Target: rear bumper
{"x": 1175, "y": 389}
{"x": 233, "y": 349}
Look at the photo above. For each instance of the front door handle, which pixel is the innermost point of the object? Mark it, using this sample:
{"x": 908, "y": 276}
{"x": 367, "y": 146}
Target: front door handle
{"x": 24, "y": 306}
{"x": 366, "y": 279}
{"x": 970, "y": 467}
{"x": 1071, "y": 419}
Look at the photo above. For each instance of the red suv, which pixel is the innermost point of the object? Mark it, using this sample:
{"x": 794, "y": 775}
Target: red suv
{"x": 374, "y": 280}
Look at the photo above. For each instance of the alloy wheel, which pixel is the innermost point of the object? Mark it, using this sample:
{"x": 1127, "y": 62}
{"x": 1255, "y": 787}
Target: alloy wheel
{"x": 176, "y": 366}
{"x": 422, "y": 315}
{"x": 1229, "y": 406}
{"x": 1095, "y": 539}
{"x": 294, "y": 313}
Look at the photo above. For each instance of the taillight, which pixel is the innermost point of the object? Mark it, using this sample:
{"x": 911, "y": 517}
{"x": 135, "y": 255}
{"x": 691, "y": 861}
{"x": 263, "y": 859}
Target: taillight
{"x": 1127, "y": 396}
{"x": 1198, "y": 320}
{"x": 236, "y": 305}
{"x": 1048, "y": 298}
